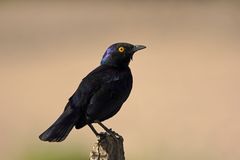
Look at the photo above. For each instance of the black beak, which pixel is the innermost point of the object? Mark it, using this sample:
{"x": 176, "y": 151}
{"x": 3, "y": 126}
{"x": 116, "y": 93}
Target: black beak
{"x": 138, "y": 47}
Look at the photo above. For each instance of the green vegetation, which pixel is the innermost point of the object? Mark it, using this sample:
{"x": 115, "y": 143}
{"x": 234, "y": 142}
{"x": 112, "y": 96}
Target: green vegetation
{"x": 55, "y": 154}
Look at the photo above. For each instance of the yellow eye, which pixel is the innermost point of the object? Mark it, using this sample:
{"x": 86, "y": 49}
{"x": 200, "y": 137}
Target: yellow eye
{"x": 121, "y": 49}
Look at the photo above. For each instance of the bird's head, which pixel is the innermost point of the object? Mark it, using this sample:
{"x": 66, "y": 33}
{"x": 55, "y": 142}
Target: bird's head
{"x": 120, "y": 54}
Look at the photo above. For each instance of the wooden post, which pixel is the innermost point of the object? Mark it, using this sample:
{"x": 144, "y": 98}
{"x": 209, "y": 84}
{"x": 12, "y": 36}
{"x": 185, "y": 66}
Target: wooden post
{"x": 108, "y": 147}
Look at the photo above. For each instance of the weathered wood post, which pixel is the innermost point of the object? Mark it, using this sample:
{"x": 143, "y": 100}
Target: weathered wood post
{"x": 108, "y": 147}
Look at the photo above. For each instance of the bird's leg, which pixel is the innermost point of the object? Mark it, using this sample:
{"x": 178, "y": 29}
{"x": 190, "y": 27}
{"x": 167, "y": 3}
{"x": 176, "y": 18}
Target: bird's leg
{"x": 103, "y": 126}
{"x": 99, "y": 135}
{"x": 112, "y": 133}
{"x": 93, "y": 129}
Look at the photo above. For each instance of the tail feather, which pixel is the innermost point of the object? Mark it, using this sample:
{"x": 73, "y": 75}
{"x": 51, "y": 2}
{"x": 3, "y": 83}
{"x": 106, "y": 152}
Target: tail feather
{"x": 60, "y": 129}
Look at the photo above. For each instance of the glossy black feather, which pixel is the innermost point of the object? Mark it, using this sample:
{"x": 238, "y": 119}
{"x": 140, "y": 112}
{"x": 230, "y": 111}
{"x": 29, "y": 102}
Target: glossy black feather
{"x": 102, "y": 93}
{"x": 59, "y": 130}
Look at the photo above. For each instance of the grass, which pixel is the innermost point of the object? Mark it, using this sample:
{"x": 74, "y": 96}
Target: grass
{"x": 55, "y": 154}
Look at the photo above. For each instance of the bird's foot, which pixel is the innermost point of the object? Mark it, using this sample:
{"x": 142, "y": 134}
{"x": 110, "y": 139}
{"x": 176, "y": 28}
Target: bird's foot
{"x": 101, "y": 136}
{"x": 114, "y": 134}
{"x": 109, "y": 131}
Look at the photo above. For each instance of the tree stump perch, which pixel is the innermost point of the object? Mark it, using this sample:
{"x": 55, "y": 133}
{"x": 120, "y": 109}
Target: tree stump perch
{"x": 108, "y": 147}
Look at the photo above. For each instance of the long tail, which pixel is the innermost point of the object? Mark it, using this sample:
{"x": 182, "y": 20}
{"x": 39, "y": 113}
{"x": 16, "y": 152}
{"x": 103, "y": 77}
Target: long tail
{"x": 60, "y": 129}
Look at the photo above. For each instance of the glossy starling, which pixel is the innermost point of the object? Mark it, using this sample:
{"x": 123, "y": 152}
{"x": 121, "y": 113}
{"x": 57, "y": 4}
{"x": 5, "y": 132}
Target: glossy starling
{"x": 99, "y": 96}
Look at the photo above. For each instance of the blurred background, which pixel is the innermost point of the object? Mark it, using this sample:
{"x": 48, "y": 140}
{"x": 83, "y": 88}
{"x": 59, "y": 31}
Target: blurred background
{"x": 185, "y": 101}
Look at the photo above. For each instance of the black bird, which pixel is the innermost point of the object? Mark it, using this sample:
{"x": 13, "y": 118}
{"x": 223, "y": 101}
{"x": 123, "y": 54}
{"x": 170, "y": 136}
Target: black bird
{"x": 99, "y": 96}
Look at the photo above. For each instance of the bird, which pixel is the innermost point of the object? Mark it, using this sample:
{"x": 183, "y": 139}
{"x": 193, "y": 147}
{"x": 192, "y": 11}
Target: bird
{"x": 99, "y": 96}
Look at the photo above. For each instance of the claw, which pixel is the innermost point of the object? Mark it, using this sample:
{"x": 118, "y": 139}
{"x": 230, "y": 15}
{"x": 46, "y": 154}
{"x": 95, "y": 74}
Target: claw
{"x": 109, "y": 130}
{"x": 114, "y": 134}
{"x": 101, "y": 136}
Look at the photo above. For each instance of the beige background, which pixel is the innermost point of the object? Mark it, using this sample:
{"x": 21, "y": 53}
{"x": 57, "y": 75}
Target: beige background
{"x": 185, "y": 102}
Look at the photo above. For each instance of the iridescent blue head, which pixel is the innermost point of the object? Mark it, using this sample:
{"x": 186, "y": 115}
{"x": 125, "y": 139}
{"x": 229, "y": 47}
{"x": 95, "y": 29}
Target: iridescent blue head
{"x": 120, "y": 54}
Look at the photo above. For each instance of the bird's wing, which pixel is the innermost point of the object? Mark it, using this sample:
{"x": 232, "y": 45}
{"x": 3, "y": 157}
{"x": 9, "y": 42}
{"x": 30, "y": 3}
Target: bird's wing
{"x": 102, "y": 104}
{"x": 100, "y": 93}
{"x": 88, "y": 86}
{"x": 108, "y": 99}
